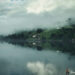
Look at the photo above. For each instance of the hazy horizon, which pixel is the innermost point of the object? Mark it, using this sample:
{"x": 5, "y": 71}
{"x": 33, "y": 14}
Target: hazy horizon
{"x": 16, "y": 15}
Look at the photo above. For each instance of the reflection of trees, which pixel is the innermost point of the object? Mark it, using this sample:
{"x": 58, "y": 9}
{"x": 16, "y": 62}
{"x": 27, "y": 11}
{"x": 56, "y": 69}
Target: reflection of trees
{"x": 64, "y": 46}
{"x": 39, "y": 48}
{"x": 67, "y": 46}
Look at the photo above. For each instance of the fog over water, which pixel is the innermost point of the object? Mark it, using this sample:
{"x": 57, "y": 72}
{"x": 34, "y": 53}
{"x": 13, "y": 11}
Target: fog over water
{"x": 18, "y": 15}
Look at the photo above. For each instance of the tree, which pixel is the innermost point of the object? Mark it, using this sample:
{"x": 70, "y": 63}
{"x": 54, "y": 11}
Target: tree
{"x": 39, "y": 30}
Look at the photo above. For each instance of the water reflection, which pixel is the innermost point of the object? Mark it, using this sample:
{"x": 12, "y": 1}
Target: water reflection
{"x": 58, "y": 45}
{"x": 17, "y": 60}
{"x": 40, "y": 68}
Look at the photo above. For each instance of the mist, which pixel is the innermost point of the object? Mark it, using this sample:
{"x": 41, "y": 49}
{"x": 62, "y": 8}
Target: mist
{"x": 21, "y": 15}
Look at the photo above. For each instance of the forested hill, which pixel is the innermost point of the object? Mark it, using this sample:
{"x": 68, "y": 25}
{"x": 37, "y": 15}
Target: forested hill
{"x": 62, "y": 39}
{"x": 64, "y": 33}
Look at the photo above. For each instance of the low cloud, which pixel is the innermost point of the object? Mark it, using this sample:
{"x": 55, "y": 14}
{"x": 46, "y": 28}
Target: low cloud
{"x": 41, "y": 6}
{"x": 16, "y": 15}
{"x": 39, "y": 68}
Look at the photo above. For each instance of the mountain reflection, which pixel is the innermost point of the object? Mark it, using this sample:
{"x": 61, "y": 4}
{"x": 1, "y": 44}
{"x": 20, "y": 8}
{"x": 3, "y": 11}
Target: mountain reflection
{"x": 65, "y": 46}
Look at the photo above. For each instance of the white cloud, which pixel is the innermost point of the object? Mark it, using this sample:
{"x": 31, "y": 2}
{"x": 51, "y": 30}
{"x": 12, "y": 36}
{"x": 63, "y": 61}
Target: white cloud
{"x": 41, "y": 6}
{"x": 39, "y": 68}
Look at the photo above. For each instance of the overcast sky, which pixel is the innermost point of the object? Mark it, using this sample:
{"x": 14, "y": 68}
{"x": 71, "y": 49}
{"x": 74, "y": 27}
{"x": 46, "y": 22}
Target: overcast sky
{"x": 18, "y": 15}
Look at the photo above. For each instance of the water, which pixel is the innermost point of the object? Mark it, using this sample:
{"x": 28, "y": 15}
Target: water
{"x": 17, "y": 60}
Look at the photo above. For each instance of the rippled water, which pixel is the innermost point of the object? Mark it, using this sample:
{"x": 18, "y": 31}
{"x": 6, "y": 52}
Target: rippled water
{"x": 17, "y": 60}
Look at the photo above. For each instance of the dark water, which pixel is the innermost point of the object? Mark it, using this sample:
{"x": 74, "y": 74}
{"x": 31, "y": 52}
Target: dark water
{"x": 17, "y": 60}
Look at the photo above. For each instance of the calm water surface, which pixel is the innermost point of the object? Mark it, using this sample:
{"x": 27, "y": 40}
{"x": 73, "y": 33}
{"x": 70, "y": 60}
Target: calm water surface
{"x": 16, "y": 60}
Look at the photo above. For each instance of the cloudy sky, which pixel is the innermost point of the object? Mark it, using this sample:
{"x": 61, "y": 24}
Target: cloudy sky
{"x": 18, "y": 15}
